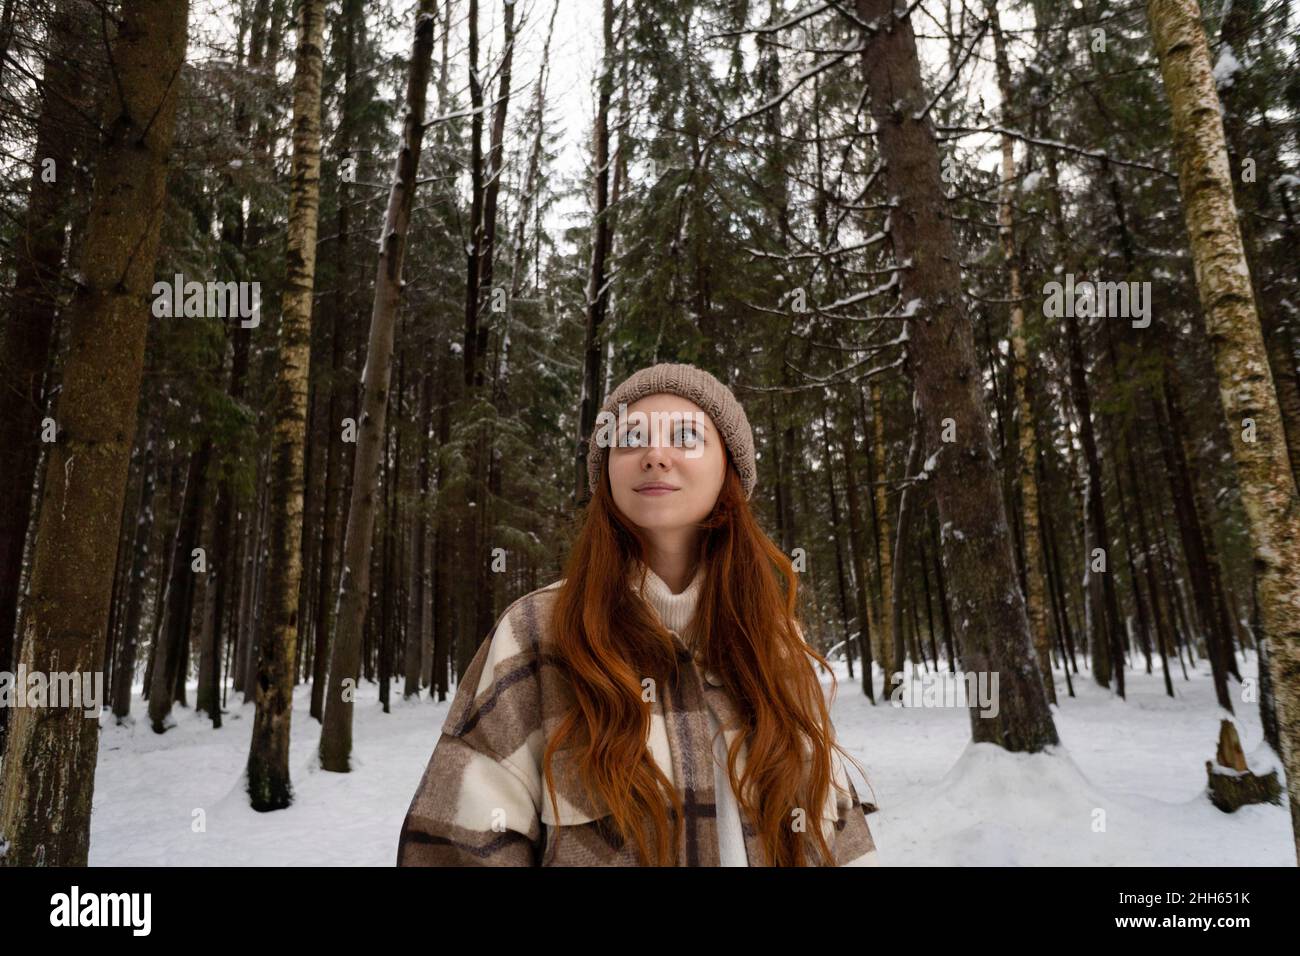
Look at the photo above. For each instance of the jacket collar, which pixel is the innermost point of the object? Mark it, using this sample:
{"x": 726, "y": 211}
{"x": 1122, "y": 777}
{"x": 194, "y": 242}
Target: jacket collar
{"x": 674, "y": 610}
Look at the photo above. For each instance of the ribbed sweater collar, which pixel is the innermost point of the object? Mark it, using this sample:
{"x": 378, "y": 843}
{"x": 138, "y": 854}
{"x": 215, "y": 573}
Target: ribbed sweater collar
{"x": 675, "y": 610}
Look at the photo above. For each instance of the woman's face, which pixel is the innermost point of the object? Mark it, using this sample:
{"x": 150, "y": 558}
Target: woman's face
{"x": 667, "y": 464}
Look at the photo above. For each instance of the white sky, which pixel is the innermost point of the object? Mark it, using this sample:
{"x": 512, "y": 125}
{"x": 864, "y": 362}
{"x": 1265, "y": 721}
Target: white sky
{"x": 575, "y": 55}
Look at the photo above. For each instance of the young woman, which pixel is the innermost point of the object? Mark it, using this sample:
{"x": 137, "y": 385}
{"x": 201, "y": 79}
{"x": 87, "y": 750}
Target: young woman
{"x": 659, "y": 705}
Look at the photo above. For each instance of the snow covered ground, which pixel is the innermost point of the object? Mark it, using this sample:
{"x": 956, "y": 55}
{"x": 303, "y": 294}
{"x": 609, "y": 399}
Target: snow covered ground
{"x": 1126, "y": 788}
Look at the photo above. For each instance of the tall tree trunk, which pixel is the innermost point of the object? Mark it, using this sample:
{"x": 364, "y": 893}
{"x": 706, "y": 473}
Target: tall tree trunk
{"x": 1026, "y": 426}
{"x": 1192, "y": 530}
{"x": 858, "y": 549}
{"x": 174, "y": 634}
{"x": 47, "y": 783}
{"x": 418, "y": 477}
{"x": 1107, "y": 660}
{"x": 945, "y": 613}
{"x": 124, "y": 673}
{"x": 6, "y": 33}
{"x": 597, "y": 282}
{"x": 1268, "y": 487}
{"x": 828, "y": 467}
{"x": 906, "y": 513}
{"x": 30, "y": 330}
{"x": 354, "y": 586}
{"x": 485, "y": 458}
{"x": 326, "y": 596}
{"x": 269, "y": 787}
{"x": 886, "y": 636}
{"x": 471, "y": 547}
{"x": 991, "y": 624}
{"x": 1240, "y": 21}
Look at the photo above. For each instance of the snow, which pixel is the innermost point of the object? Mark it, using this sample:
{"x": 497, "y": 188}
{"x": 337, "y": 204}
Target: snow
{"x": 1031, "y": 181}
{"x": 1226, "y": 66}
{"x": 943, "y": 800}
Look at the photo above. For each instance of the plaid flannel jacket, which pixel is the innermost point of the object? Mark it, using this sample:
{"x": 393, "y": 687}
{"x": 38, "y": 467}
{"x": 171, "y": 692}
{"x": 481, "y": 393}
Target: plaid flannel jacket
{"x": 482, "y": 799}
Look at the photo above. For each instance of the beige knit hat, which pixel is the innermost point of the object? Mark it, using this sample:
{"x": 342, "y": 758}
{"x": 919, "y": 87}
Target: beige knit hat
{"x": 693, "y": 384}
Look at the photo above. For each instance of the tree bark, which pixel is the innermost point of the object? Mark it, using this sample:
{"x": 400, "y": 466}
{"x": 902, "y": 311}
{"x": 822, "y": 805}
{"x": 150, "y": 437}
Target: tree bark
{"x": 991, "y": 624}
{"x": 1263, "y": 465}
{"x": 906, "y": 513}
{"x": 30, "y": 330}
{"x": 601, "y": 238}
{"x": 269, "y": 786}
{"x": 178, "y": 602}
{"x": 354, "y": 586}
{"x": 858, "y": 548}
{"x": 1026, "y": 426}
{"x": 886, "y": 636}
{"x": 47, "y": 783}
{"x": 124, "y": 673}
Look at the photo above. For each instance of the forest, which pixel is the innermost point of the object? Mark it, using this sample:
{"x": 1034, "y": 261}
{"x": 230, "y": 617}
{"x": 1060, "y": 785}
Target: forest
{"x": 307, "y": 308}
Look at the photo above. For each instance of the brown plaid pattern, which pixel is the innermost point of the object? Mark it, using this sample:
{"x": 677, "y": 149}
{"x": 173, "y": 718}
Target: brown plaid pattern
{"x": 482, "y": 800}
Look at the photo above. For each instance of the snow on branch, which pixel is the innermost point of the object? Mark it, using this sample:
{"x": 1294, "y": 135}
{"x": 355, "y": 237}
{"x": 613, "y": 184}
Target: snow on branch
{"x": 1096, "y": 154}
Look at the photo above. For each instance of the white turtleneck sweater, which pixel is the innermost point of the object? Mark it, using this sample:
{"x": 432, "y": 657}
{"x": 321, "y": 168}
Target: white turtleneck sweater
{"x": 676, "y": 610}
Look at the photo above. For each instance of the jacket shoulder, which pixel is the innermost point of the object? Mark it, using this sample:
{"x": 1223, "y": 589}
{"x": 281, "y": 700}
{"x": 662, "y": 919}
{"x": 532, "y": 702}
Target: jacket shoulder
{"x": 530, "y": 611}
{"x": 505, "y": 664}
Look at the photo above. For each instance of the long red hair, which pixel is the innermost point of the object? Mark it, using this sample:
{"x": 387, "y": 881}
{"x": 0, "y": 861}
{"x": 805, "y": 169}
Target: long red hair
{"x": 608, "y": 640}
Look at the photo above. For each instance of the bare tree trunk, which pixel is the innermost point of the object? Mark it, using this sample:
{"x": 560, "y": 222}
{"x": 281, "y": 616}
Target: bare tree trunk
{"x": 6, "y": 33}
{"x": 269, "y": 787}
{"x": 475, "y": 344}
{"x": 1263, "y": 464}
{"x": 47, "y": 783}
{"x": 1240, "y": 21}
{"x": 1028, "y": 445}
{"x": 354, "y": 587}
{"x": 30, "y": 330}
{"x": 887, "y": 637}
{"x": 178, "y": 612}
{"x": 326, "y": 596}
{"x": 992, "y": 626}
{"x": 1192, "y": 530}
{"x": 418, "y": 476}
{"x": 124, "y": 673}
{"x": 828, "y": 466}
{"x": 597, "y": 282}
{"x": 858, "y": 549}
{"x": 906, "y": 513}
{"x": 486, "y": 478}
{"x": 1103, "y": 603}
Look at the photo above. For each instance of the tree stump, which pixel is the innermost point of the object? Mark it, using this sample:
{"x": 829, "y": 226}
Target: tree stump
{"x": 1232, "y": 785}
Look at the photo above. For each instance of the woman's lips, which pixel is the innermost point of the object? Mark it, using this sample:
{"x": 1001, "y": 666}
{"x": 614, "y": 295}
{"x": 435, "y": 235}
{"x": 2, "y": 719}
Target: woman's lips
{"x": 655, "y": 490}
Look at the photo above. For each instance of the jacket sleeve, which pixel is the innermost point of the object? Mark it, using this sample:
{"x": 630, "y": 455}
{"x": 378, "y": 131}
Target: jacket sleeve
{"x": 854, "y": 845}
{"x": 477, "y": 802}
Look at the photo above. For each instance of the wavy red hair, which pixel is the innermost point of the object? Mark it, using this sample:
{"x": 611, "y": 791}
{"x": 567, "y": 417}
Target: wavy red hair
{"x": 745, "y": 625}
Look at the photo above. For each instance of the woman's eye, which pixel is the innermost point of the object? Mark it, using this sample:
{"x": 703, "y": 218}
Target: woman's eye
{"x": 687, "y": 437}
{"x": 630, "y": 440}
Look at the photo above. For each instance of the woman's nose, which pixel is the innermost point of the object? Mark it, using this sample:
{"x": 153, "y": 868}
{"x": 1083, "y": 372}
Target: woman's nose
{"x": 656, "y": 455}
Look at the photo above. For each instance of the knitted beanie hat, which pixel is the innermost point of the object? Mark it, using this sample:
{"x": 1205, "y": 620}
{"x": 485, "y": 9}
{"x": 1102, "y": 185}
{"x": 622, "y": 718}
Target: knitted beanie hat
{"x": 693, "y": 384}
